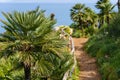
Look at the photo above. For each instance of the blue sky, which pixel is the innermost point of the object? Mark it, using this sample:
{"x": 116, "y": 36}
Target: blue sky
{"x": 61, "y": 8}
{"x": 52, "y": 1}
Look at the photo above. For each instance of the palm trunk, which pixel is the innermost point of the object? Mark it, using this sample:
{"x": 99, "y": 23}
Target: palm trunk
{"x": 80, "y": 23}
{"x": 27, "y": 72}
{"x": 108, "y": 19}
{"x": 52, "y": 16}
{"x": 102, "y": 22}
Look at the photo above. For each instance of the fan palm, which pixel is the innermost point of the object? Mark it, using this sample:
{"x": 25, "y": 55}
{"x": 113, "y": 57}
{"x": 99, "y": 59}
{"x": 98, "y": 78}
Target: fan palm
{"x": 29, "y": 37}
{"x": 106, "y": 11}
{"x": 91, "y": 17}
{"x": 77, "y": 14}
{"x": 84, "y": 16}
{"x": 118, "y": 5}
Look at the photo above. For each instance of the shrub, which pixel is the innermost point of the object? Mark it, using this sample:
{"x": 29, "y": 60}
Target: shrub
{"x": 76, "y": 33}
{"x": 105, "y": 46}
{"x": 67, "y": 29}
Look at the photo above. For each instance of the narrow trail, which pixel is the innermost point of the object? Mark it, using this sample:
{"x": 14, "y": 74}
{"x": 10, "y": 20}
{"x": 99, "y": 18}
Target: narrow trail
{"x": 87, "y": 64}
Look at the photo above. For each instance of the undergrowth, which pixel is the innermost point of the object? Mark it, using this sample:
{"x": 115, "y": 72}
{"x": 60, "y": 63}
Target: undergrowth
{"x": 105, "y": 46}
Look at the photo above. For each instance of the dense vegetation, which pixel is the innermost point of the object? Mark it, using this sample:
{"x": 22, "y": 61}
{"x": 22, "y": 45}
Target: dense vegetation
{"x": 105, "y": 46}
{"x": 104, "y": 29}
{"x": 86, "y": 22}
{"x": 30, "y": 49}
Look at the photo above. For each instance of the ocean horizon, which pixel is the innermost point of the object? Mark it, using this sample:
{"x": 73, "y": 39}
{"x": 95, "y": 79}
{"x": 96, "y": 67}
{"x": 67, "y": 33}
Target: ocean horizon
{"x": 61, "y": 10}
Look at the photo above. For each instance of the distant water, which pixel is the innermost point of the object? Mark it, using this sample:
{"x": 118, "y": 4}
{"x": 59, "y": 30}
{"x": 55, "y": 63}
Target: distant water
{"x": 61, "y": 11}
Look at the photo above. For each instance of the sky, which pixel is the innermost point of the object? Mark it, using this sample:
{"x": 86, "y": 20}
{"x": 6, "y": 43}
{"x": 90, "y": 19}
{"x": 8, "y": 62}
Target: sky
{"x": 51, "y": 1}
{"x": 61, "y": 8}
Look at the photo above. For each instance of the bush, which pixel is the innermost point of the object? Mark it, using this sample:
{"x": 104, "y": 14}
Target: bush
{"x": 76, "y": 33}
{"x": 75, "y": 74}
{"x": 66, "y": 29}
{"x": 105, "y": 46}
{"x": 85, "y": 32}
{"x": 114, "y": 28}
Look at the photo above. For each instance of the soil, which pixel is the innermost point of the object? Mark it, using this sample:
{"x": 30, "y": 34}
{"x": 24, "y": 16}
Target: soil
{"x": 87, "y": 64}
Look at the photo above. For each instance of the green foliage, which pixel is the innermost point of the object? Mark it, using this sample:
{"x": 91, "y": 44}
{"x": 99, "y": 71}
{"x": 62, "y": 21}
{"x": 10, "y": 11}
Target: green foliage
{"x": 75, "y": 74}
{"x": 8, "y": 71}
{"x": 66, "y": 29}
{"x": 85, "y": 20}
{"x": 114, "y": 29}
{"x": 76, "y": 33}
{"x": 63, "y": 66}
{"x": 86, "y": 32}
{"x": 59, "y": 69}
{"x": 106, "y": 48}
{"x": 31, "y": 42}
{"x": 106, "y": 11}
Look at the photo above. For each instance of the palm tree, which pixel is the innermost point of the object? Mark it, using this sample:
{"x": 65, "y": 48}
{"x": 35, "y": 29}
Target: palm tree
{"x": 52, "y": 16}
{"x": 91, "y": 18}
{"x": 30, "y": 38}
{"x": 118, "y": 5}
{"x": 84, "y": 16}
{"x": 106, "y": 12}
{"x": 77, "y": 14}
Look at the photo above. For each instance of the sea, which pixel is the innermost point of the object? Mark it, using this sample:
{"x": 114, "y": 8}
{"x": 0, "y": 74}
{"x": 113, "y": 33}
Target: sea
{"x": 61, "y": 10}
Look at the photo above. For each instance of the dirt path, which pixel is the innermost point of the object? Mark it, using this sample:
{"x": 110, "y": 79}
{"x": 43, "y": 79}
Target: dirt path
{"x": 88, "y": 67}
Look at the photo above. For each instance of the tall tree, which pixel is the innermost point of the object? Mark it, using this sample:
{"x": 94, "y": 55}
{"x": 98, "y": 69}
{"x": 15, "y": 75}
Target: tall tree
{"x": 52, "y": 16}
{"x": 83, "y": 16}
{"x": 106, "y": 11}
{"x": 77, "y": 14}
{"x": 118, "y": 5}
{"x": 91, "y": 18}
{"x": 30, "y": 38}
